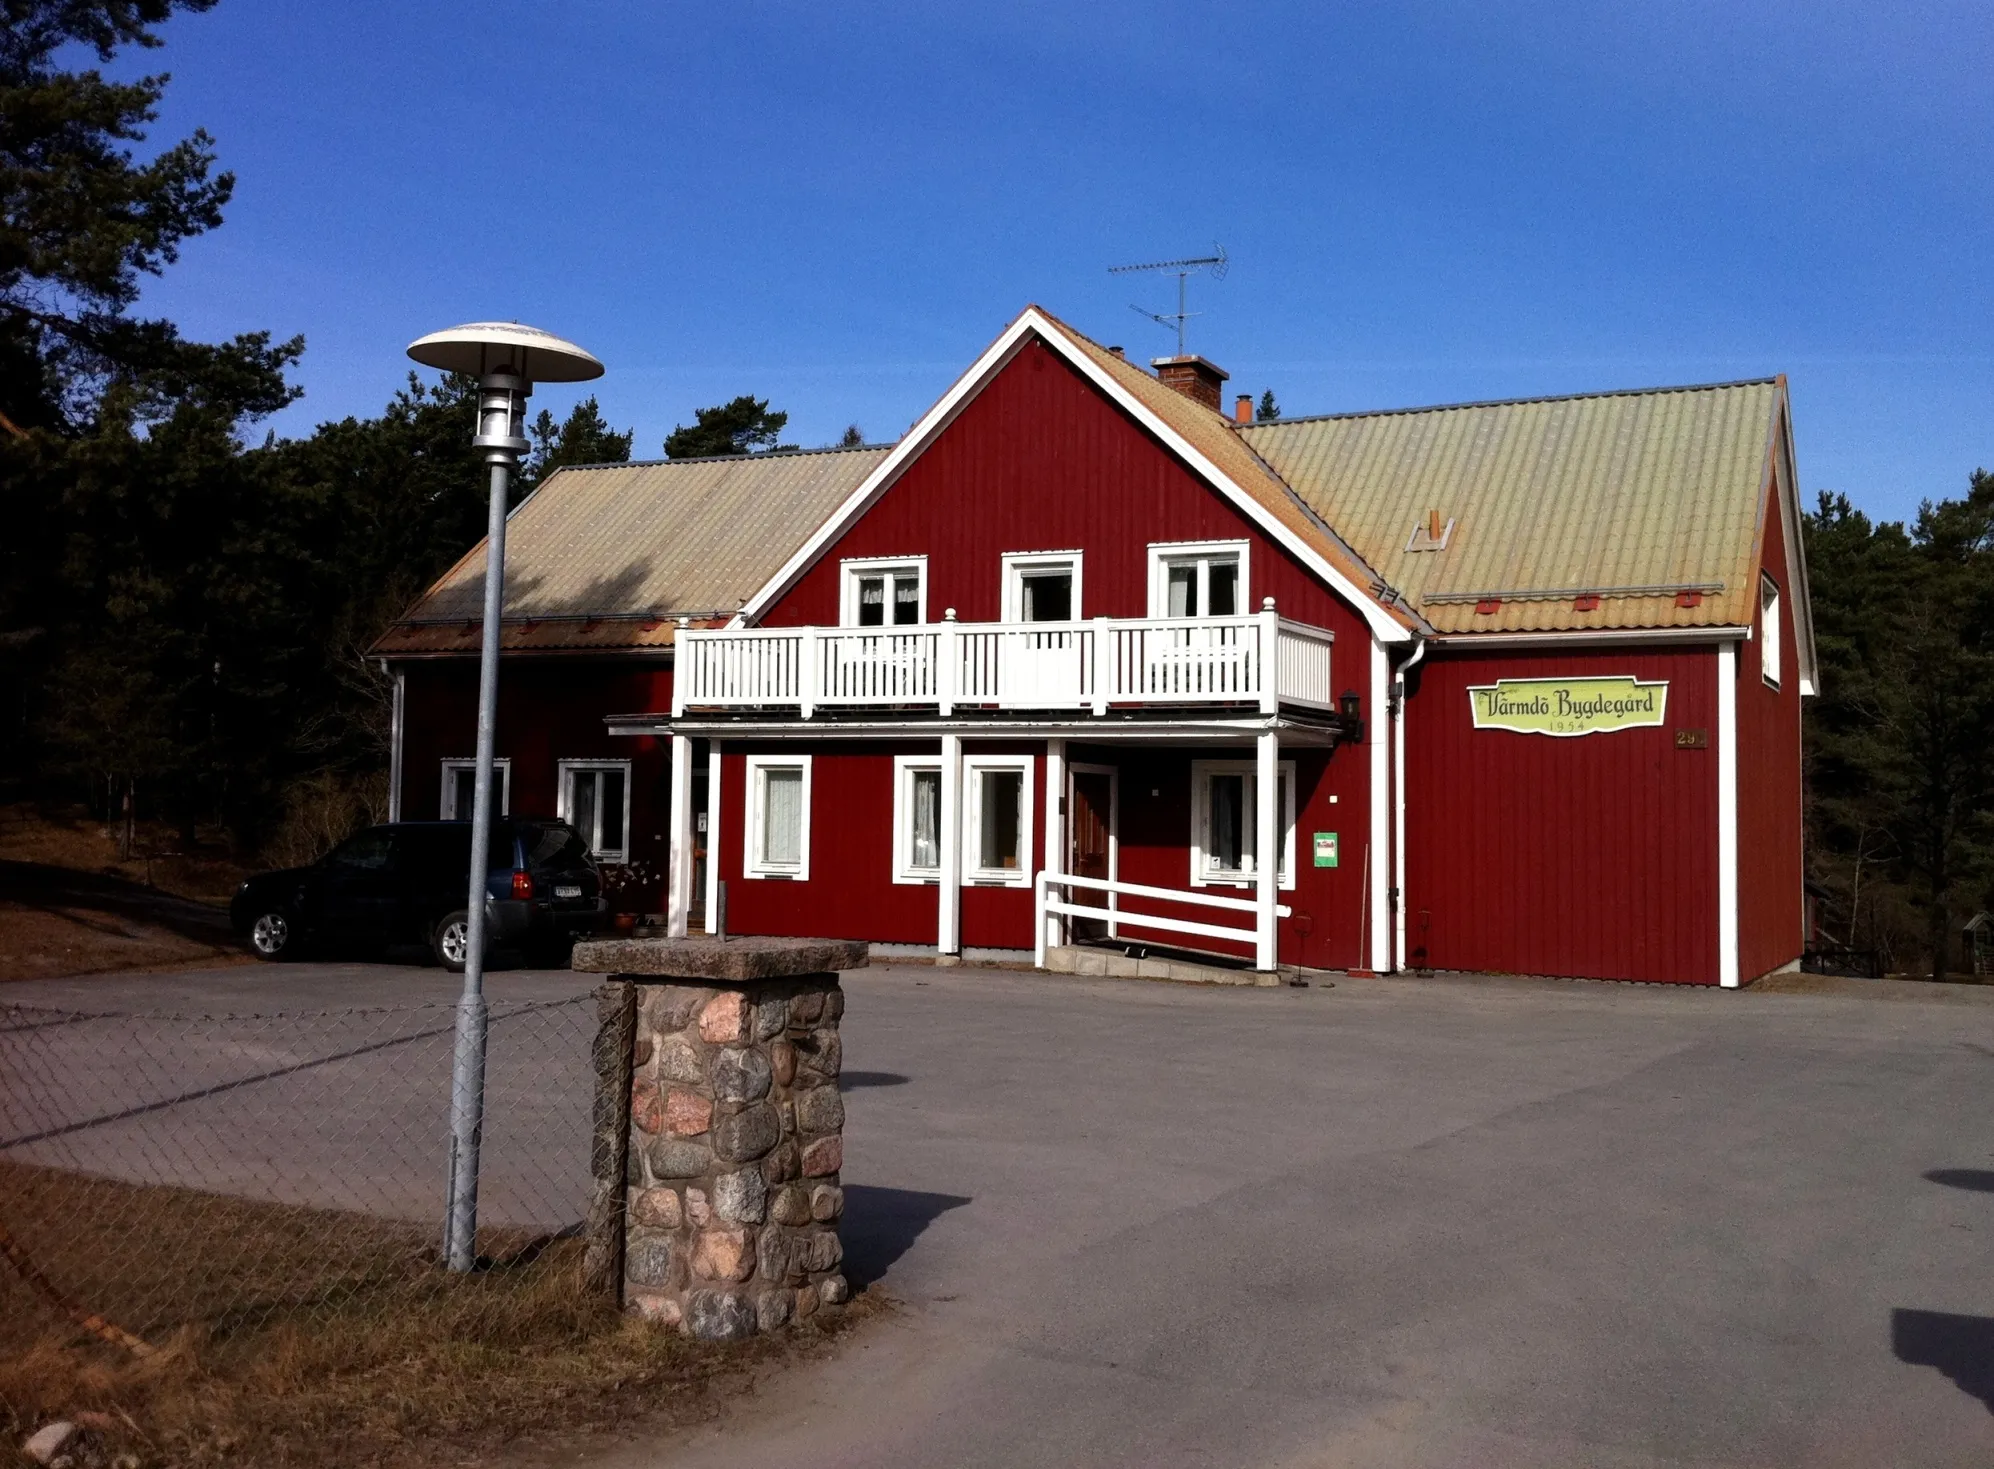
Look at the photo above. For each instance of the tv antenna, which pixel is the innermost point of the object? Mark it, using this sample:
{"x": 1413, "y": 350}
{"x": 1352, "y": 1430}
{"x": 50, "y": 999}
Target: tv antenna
{"x": 1215, "y": 262}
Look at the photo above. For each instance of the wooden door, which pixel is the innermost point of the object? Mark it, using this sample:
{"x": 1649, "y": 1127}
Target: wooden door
{"x": 1093, "y": 830}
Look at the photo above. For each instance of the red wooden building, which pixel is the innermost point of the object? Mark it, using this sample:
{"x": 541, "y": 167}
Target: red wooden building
{"x": 1083, "y": 660}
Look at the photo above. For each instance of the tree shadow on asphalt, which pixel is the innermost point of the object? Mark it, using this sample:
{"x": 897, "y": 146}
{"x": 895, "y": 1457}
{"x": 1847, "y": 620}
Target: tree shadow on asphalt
{"x": 1978, "y": 1180}
{"x": 881, "y": 1225}
{"x": 851, "y": 1081}
{"x": 1962, "y": 1347}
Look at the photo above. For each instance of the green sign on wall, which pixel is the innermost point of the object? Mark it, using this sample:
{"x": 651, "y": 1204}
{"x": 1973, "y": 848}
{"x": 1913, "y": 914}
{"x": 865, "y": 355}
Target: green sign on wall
{"x": 1568, "y": 706}
{"x": 1325, "y": 849}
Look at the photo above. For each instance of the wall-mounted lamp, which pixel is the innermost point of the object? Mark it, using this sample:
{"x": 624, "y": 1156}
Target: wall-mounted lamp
{"x": 1351, "y": 707}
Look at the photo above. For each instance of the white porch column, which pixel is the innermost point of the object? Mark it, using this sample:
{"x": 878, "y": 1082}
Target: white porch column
{"x": 948, "y": 897}
{"x": 678, "y": 882}
{"x": 396, "y": 733}
{"x": 1379, "y": 855}
{"x": 1055, "y": 826}
{"x": 712, "y": 837}
{"x": 1267, "y": 846}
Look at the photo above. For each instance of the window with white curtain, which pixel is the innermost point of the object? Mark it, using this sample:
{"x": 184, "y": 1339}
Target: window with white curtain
{"x": 1769, "y": 629}
{"x": 777, "y": 820}
{"x": 1198, "y": 579}
{"x": 917, "y": 819}
{"x": 1225, "y": 823}
{"x": 460, "y": 788}
{"x": 595, "y": 801}
{"x": 884, "y": 592}
{"x": 997, "y": 820}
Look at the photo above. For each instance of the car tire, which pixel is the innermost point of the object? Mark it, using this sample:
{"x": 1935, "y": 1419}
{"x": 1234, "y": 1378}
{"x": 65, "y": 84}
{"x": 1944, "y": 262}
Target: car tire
{"x": 450, "y": 940}
{"x": 273, "y": 937}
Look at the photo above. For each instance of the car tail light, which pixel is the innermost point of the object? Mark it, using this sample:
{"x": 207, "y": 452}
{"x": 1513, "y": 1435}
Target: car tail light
{"x": 522, "y": 884}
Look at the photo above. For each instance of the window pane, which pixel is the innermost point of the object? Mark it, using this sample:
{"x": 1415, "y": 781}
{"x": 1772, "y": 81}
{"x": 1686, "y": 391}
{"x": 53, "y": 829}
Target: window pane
{"x": 581, "y": 805}
{"x": 1224, "y": 583}
{"x": 872, "y": 601}
{"x": 1003, "y": 800}
{"x": 925, "y": 850}
{"x": 782, "y": 817}
{"x": 1049, "y": 596}
{"x": 1232, "y": 824}
{"x": 464, "y": 788}
{"x": 612, "y": 810}
{"x": 906, "y": 599}
{"x": 1183, "y": 601}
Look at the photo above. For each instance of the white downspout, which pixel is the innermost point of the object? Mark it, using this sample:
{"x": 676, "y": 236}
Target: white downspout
{"x": 1398, "y": 799}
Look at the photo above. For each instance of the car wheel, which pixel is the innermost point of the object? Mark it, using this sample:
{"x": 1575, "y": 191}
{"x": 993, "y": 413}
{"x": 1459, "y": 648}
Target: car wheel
{"x": 270, "y": 936}
{"x": 450, "y": 940}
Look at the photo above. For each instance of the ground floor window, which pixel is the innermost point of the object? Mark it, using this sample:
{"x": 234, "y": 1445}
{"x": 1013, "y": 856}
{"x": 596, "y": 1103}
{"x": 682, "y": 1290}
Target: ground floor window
{"x": 460, "y": 787}
{"x": 595, "y": 801}
{"x": 997, "y": 835}
{"x": 777, "y": 820}
{"x": 917, "y": 819}
{"x": 1225, "y": 823}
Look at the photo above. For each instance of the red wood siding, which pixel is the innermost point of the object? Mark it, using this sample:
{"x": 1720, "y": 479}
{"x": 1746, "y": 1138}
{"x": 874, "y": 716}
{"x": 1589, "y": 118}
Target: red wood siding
{"x": 1593, "y": 856}
{"x": 549, "y": 710}
{"x": 1771, "y": 917}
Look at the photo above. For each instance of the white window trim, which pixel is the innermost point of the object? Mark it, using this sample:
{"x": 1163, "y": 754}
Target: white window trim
{"x": 752, "y": 865}
{"x": 1163, "y": 553}
{"x": 1017, "y": 563}
{"x": 974, "y": 767}
{"x": 851, "y": 569}
{"x": 446, "y": 801}
{"x": 616, "y": 857}
{"x": 1201, "y": 817}
{"x": 904, "y": 871}
{"x": 1769, "y": 629}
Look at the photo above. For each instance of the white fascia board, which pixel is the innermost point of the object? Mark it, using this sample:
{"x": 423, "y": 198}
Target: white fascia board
{"x": 1034, "y": 323}
{"x": 1588, "y": 638}
{"x": 1799, "y": 593}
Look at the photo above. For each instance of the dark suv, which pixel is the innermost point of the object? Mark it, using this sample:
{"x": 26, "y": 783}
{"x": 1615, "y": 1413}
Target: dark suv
{"x": 404, "y": 882}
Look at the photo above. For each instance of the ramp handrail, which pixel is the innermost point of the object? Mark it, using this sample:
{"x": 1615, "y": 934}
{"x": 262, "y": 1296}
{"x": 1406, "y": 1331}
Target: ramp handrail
{"x": 1047, "y": 905}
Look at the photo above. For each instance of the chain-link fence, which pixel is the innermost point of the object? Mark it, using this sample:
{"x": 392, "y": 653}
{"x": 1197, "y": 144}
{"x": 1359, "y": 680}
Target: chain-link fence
{"x": 231, "y": 1172}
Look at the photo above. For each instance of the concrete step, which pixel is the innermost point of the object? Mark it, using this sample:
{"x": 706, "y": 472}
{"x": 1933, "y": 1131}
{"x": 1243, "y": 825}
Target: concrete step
{"x": 1111, "y": 964}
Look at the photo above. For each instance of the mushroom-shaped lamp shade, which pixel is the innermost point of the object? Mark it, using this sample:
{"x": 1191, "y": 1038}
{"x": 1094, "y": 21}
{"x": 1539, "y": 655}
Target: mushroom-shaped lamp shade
{"x": 481, "y": 347}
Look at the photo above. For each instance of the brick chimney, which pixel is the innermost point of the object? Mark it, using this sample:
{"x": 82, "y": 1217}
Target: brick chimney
{"x": 1242, "y": 408}
{"x": 1194, "y": 377}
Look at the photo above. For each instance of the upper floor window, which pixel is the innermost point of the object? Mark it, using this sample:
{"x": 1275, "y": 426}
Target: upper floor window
{"x": 595, "y": 801}
{"x": 1769, "y": 629}
{"x": 1197, "y": 579}
{"x": 460, "y": 788}
{"x": 1041, "y": 586}
{"x": 884, "y": 592}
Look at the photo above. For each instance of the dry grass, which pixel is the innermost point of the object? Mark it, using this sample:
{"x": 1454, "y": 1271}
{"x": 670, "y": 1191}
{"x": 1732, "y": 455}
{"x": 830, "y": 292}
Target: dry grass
{"x": 378, "y": 1359}
{"x": 39, "y": 942}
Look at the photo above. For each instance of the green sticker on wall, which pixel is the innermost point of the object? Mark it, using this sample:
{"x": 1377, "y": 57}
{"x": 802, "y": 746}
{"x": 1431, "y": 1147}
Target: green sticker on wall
{"x": 1325, "y": 849}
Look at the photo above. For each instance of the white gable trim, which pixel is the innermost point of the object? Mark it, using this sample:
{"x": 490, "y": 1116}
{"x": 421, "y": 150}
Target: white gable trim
{"x": 1032, "y": 323}
{"x": 1799, "y": 594}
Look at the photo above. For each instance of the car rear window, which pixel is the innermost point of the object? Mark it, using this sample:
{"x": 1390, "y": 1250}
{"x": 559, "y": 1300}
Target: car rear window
{"x": 553, "y": 846}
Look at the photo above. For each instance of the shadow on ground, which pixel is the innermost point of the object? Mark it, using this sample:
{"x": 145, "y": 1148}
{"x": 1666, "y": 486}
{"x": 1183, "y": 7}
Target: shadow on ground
{"x": 881, "y": 1225}
{"x": 40, "y": 886}
{"x": 1962, "y": 1347}
{"x": 851, "y": 1081}
{"x": 1977, "y": 1180}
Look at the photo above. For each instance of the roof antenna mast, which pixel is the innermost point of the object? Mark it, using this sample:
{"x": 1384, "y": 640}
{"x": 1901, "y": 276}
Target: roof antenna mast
{"x": 1184, "y": 269}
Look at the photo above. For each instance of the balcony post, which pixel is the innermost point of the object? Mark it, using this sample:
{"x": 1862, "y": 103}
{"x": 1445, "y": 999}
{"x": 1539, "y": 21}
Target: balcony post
{"x": 678, "y": 877}
{"x": 948, "y": 659}
{"x": 1267, "y": 847}
{"x": 681, "y": 666}
{"x": 1268, "y": 664}
{"x": 1104, "y": 665}
{"x": 948, "y": 896}
{"x": 810, "y": 677}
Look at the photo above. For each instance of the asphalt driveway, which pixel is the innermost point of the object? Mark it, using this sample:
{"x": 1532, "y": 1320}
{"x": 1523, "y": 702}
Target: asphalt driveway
{"x": 1387, "y": 1223}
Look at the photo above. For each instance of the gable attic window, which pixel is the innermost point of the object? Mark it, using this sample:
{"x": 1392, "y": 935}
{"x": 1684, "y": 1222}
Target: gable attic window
{"x": 884, "y": 592}
{"x": 1769, "y": 630}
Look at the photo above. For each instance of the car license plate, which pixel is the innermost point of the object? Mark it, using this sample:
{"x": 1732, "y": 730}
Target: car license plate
{"x": 567, "y": 892}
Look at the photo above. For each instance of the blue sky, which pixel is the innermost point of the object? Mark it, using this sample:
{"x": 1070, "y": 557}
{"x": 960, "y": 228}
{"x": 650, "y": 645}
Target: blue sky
{"x": 837, "y": 206}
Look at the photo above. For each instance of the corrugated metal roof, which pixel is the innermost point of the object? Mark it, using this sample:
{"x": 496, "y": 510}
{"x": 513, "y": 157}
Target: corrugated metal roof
{"x": 1627, "y": 496}
{"x": 607, "y": 555}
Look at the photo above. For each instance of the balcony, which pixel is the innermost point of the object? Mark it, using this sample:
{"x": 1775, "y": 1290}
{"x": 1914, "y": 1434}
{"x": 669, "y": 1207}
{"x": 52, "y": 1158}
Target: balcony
{"x": 1259, "y": 660}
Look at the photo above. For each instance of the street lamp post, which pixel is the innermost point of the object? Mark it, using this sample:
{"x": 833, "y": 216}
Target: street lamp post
{"x": 507, "y": 360}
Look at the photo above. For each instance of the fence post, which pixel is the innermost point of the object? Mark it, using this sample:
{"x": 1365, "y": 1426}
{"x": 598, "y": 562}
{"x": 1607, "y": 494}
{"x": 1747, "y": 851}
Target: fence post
{"x": 609, "y": 1151}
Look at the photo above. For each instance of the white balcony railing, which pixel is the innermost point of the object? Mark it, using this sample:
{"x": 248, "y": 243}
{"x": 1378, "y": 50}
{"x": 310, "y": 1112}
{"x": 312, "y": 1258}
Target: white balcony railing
{"x": 1258, "y": 659}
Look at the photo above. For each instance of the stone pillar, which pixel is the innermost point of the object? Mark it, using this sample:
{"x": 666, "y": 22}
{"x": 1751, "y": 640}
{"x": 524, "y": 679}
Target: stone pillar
{"x": 735, "y": 1130}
